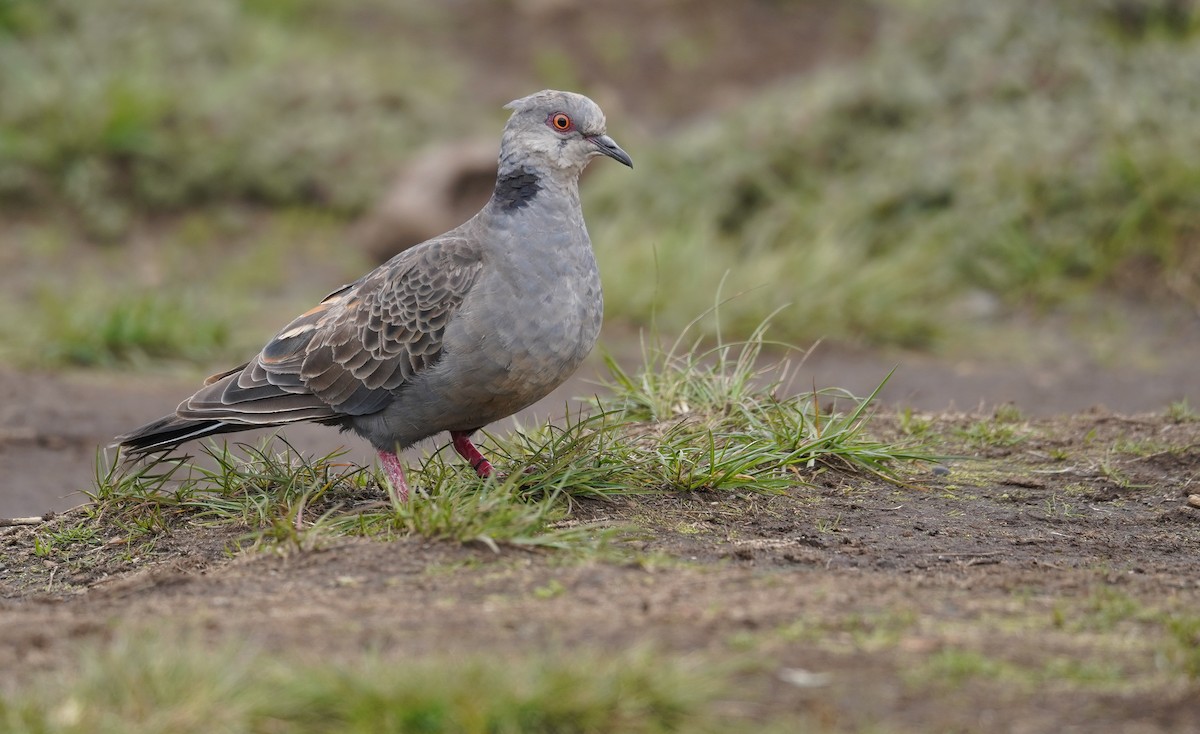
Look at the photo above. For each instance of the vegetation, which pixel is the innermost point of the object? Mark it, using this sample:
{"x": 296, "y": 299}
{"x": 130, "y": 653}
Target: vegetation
{"x": 90, "y": 329}
{"x": 682, "y": 423}
{"x": 978, "y": 157}
{"x": 982, "y": 156}
{"x": 146, "y": 684}
{"x": 144, "y": 106}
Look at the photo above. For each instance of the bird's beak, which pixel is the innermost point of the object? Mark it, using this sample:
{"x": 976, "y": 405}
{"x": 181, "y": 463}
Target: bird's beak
{"x": 609, "y": 147}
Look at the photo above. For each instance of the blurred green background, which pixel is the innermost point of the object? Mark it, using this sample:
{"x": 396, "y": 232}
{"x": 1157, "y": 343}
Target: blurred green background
{"x": 177, "y": 178}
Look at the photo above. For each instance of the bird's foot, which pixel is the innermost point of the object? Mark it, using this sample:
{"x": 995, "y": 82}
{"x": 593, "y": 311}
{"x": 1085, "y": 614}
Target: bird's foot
{"x": 461, "y": 440}
{"x": 395, "y": 474}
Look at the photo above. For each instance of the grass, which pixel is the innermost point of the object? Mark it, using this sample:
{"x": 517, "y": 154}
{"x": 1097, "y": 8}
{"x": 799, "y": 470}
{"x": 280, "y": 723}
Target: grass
{"x": 830, "y": 637}
{"x": 1007, "y": 427}
{"x": 956, "y": 667}
{"x": 200, "y": 104}
{"x": 283, "y": 499}
{"x": 1180, "y": 412}
{"x": 147, "y": 683}
{"x": 1183, "y": 647}
{"x": 985, "y": 434}
{"x": 729, "y": 396}
{"x": 1103, "y": 640}
{"x": 684, "y": 423}
{"x": 186, "y": 301}
{"x": 977, "y": 159}
{"x": 1056, "y": 507}
{"x": 115, "y": 327}
{"x": 980, "y": 158}
{"x": 162, "y": 678}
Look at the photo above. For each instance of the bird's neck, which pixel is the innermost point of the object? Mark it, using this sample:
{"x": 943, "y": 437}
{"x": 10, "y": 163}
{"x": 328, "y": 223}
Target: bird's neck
{"x": 518, "y": 185}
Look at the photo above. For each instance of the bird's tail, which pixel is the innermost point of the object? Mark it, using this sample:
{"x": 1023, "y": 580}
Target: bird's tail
{"x": 168, "y": 432}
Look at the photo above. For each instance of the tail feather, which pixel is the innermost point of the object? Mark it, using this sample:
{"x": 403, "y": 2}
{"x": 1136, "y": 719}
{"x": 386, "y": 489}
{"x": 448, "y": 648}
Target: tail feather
{"x": 169, "y": 431}
{"x": 222, "y": 406}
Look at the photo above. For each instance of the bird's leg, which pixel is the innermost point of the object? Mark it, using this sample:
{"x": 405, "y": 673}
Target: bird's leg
{"x": 395, "y": 474}
{"x": 461, "y": 440}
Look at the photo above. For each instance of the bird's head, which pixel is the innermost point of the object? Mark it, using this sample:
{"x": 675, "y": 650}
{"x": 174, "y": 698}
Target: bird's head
{"x": 558, "y": 130}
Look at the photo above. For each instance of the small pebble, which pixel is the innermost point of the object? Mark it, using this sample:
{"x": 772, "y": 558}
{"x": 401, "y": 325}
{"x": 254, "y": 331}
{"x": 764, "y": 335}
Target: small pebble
{"x": 1194, "y": 500}
{"x": 802, "y": 678}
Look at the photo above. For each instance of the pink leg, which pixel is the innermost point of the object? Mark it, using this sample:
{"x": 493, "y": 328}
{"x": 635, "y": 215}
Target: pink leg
{"x": 461, "y": 440}
{"x": 395, "y": 474}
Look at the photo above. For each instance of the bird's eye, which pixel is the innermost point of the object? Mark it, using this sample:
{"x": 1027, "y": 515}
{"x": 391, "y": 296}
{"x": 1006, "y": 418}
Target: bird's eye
{"x": 560, "y": 122}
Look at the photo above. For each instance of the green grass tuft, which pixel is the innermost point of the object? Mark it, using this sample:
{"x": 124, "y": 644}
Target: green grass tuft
{"x": 994, "y": 433}
{"x": 726, "y": 408}
{"x": 1181, "y": 412}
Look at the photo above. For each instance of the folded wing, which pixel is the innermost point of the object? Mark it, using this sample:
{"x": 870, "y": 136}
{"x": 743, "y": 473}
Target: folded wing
{"x": 348, "y": 355}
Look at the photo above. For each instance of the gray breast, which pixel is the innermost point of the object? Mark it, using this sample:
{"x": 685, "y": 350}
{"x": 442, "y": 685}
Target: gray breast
{"x": 525, "y": 327}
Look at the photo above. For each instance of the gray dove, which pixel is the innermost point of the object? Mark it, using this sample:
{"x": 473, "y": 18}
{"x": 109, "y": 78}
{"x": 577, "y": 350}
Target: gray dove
{"x": 450, "y": 335}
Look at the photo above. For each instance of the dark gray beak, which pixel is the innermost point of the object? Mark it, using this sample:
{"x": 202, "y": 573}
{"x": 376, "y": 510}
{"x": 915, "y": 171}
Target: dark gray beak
{"x": 609, "y": 147}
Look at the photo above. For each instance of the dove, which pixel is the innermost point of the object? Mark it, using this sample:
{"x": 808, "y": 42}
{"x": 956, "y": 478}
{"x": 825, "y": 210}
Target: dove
{"x": 450, "y": 335}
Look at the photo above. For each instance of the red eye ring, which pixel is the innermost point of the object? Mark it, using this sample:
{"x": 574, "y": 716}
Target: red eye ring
{"x": 560, "y": 122}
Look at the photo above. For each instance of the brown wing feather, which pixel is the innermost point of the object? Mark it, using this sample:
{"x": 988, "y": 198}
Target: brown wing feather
{"x": 346, "y": 355}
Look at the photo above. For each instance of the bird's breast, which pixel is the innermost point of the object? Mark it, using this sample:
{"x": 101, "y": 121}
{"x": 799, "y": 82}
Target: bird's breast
{"x": 531, "y": 325}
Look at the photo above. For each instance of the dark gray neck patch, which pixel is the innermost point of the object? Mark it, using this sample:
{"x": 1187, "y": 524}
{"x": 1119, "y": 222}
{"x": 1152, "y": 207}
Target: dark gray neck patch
{"x": 516, "y": 189}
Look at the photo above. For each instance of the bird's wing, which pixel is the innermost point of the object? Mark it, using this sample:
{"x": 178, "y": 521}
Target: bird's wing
{"x": 347, "y": 355}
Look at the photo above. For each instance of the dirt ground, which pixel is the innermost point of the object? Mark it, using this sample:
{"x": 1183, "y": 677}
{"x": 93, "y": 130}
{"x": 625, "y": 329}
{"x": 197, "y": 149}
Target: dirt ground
{"x": 1058, "y": 549}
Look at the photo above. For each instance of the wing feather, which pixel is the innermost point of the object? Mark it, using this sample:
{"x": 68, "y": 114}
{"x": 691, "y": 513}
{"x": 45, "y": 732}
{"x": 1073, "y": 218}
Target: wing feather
{"x": 349, "y": 353}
